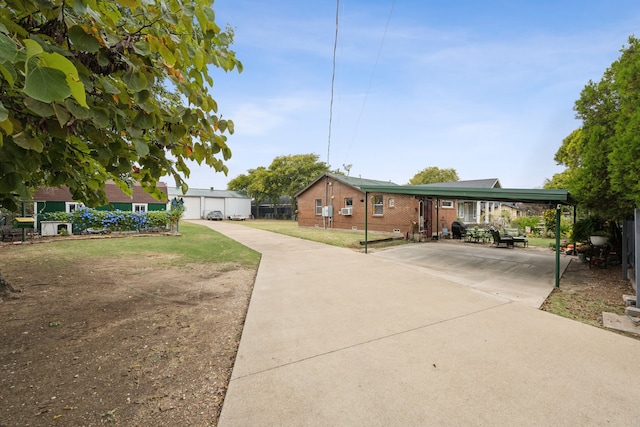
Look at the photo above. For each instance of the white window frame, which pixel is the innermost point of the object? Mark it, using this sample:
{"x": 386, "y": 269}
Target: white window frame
{"x": 72, "y": 206}
{"x": 392, "y": 202}
{"x": 446, "y": 204}
{"x": 139, "y": 207}
{"x": 348, "y": 202}
{"x": 318, "y": 206}
{"x": 378, "y": 204}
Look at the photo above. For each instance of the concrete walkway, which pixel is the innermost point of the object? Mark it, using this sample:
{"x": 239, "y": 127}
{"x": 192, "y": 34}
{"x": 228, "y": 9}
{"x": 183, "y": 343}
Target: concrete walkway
{"x": 340, "y": 338}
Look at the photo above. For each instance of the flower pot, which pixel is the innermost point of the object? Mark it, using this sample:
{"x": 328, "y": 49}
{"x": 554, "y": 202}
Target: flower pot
{"x": 599, "y": 240}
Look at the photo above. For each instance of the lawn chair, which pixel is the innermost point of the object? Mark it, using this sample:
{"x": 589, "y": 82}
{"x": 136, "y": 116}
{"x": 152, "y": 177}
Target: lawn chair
{"x": 521, "y": 239}
{"x": 499, "y": 239}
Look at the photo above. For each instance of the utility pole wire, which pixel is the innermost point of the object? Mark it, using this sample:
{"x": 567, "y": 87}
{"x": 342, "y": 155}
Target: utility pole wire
{"x": 333, "y": 78}
{"x": 373, "y": 72}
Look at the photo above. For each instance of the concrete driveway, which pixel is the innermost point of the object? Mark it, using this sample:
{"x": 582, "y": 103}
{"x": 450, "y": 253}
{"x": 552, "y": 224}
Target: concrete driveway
{"x": 523, "y": 275}
{"x": 338, "y": 338}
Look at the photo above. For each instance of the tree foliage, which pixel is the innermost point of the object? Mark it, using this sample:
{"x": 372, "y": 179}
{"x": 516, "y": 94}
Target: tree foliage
{"x": 603, "y": 156}
{"x": 256, "y": 183}
{"x": 286, "y": 176}
{"x": 96, "y": 90}
{"x": 434, "y": 174}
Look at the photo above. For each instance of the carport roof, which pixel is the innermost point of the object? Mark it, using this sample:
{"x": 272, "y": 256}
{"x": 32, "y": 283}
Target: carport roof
{"x": 550, "y": 197}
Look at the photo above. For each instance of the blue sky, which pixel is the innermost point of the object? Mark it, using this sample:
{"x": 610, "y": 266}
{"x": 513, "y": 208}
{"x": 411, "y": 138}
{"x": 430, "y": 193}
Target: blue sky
{"x": 486, "y": 88}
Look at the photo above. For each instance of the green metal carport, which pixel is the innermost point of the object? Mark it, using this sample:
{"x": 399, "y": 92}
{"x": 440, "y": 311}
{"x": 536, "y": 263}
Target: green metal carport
{"x": 551, "y": 198}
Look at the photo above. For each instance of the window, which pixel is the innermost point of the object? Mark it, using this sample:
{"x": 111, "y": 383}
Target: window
{"x": 447, "y": 204}
{"x": 72, "y": 206}
{"x": 139, "y": 207}
{"x": 378, "y": 204}
{"x": 348, "y": 202}
{"x": 392, "y": 202}
{"x": 318, "y": 206}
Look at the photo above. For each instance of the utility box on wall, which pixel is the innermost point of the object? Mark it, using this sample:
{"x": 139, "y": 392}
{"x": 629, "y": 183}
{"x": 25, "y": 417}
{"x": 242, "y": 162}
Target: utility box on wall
{"x": 327, "y": 211}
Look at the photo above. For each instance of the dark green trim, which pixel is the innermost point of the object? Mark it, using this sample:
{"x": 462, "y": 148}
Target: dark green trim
{"x": 48, "y": 207}
{"x": 551, "y": 197}
{"x": 156, "y": 207}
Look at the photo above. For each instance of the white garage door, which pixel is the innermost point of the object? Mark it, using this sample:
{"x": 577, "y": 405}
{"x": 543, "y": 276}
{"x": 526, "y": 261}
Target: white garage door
{"x": 192, "y": 208}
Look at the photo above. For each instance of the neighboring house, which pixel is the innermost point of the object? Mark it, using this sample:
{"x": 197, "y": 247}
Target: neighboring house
{"x": 199, "y": 202}
{"x": 60, "y": 200}
{"x": 51, "y": 199}
{"x": 471, "y": 212}
{"x": 511, "y": 211}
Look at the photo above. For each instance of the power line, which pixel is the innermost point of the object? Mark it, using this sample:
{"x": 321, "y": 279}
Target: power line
{"x": 366, "y": 95}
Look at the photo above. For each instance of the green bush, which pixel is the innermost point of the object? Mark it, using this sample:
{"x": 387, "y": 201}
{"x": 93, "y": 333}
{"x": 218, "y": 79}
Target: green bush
{"x": 524, "y": 222}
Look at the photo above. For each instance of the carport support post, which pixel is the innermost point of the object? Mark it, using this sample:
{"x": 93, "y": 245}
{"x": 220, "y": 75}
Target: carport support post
{"x": 558, "y": 208}
{"x": 366, "y": 221}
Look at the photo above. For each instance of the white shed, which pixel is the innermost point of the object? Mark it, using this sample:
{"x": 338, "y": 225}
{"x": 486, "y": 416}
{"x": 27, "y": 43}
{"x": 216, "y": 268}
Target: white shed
{"x": 198, "y": 202}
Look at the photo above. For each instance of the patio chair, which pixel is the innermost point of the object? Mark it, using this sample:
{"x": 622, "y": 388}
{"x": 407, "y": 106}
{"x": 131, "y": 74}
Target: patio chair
{"x": 499, "y": 239}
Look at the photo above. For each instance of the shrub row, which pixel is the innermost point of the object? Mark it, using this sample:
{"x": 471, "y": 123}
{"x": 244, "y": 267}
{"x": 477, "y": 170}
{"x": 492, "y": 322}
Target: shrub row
{"x": 84, "y": 218}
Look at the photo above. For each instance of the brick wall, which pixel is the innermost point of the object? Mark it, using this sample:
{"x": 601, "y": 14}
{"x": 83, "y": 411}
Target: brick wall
{"x": 398, "y": 216}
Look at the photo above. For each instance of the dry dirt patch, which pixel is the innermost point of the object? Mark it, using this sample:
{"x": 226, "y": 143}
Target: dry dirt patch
{"x": 136, "y": 343}
{"x": 585, "y": 293}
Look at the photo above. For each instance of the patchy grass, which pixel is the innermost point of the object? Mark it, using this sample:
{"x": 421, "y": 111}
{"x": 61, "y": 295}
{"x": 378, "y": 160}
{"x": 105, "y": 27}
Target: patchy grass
{"x": 196, "y": 244}
{"x": 331, "y": 236}
{"x": 585, "y": 293}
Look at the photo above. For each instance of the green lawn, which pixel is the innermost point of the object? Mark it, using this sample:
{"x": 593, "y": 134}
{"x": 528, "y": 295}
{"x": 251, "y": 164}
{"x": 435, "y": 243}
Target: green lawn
{"x": 344, "y": 238}
{"x": 332, "y": 236}
{"x": 196, "y": 244}
{"x": 541, "y": 242}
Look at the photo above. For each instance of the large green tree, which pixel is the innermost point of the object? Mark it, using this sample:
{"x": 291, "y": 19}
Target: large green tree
{"x": 285, "y": 176}
{"x": 434, "y": 174}
{"x": 256, "y": 183}
{"x": 119, "y": 90}
{"x": 603, "y": 156}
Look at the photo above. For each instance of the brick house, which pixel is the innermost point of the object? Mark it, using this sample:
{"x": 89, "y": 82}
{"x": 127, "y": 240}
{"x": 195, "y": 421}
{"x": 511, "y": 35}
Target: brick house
{"x": 337, "y": 201}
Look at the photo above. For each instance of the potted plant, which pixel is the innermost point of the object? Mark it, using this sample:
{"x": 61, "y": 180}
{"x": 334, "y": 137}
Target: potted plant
{"x": 599, "y": 237}
{"x": 584, "y": 228}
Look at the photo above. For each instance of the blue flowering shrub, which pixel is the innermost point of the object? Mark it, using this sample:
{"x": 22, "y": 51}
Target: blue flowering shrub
{"x": 84, "y": 218}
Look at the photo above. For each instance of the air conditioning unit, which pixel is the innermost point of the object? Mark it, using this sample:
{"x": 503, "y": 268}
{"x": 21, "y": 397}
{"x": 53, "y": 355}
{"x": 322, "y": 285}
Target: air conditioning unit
{"x": 346, "y": 211}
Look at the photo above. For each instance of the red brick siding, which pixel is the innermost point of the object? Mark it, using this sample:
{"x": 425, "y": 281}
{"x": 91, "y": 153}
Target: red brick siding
{"x": 400, "y": 217}
{"x": 449, "y": 215}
